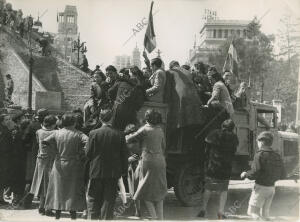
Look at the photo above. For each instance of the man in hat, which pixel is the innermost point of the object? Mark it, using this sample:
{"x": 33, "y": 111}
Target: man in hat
{"x": 267, "y": 167}
{"x": 107, "y": 157}
{"x": 9, "y": 88}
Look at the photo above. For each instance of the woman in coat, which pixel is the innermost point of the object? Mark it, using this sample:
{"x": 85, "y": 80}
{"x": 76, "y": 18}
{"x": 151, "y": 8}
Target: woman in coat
{"x": 152, "y": 186}
{"x": 66, "y": 184}
{"x": 221, "y": 147}
{"x": 44, "y": 163}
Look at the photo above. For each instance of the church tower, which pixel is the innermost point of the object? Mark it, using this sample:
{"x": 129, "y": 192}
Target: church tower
{"x": 67, "y": 31}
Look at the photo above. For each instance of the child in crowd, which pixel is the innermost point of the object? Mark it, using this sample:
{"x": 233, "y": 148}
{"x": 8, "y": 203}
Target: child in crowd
{"x": 266, "y": 169}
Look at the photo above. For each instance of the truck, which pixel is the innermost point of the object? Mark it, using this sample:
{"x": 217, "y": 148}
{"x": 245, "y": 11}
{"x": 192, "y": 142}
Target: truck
{"x": 185, "y": 160}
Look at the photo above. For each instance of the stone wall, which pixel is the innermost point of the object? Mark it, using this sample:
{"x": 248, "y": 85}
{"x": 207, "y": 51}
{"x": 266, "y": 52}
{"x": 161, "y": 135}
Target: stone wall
{"x": 12, "y": 64}
{"x": 56, "y": 75}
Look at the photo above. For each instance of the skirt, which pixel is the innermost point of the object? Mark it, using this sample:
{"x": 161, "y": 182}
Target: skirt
{"x": 214, "y": 184}
{"x": 152, "y": 180}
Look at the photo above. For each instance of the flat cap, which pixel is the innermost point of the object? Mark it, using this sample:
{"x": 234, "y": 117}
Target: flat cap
{"x": 265, "y": 135}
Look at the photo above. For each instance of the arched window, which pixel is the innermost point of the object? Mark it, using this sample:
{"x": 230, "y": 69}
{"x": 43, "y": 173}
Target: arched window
{"x": 215, "y": 33}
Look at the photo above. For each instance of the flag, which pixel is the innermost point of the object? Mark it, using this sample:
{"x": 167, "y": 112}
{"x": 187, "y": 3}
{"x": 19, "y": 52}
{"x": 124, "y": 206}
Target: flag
{"x": 231, "y": 62}
{"x": 149, "y": 40}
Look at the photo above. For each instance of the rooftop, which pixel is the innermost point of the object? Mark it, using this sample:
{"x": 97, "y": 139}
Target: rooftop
{"x": 225, "y": 23}
{"x": 71, "y": 8}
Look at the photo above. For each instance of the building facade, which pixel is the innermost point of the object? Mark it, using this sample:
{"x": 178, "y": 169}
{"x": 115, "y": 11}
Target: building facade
{"x": 136, "y": 57}
{"x": 213, "y": 34}
{"x": 67, "y": 32}
{"x": 122, "y": 61}
{"x": 125, "y": 61}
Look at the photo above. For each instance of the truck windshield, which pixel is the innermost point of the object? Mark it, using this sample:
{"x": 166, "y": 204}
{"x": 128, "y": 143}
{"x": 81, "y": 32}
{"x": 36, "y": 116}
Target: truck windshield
{"x": 266, "y": 118}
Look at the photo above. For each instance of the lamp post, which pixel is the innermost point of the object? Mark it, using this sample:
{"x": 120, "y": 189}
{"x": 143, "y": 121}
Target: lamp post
{"x": 79, "y": 47}
{"x": 31, "y": 61}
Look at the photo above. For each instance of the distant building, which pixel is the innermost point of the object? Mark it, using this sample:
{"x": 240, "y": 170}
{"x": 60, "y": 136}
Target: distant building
{"x": 122, "y": 61}
{"x": 213, "y": 34}
{"x": 67, "y": 32}
{"x": 125, "y": 61}
{"x": 136, "y": 57}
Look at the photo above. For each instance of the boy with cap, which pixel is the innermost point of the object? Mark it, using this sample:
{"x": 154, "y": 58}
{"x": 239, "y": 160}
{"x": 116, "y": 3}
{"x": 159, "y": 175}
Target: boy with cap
{"x": 266, "y": 169}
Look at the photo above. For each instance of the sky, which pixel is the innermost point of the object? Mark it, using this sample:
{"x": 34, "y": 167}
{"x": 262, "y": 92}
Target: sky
{"x": 107, "y": 24}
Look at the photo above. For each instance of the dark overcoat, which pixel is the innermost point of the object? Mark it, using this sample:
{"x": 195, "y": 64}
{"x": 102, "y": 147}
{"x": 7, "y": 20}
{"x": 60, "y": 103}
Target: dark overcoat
{"x": 66, "y": 183}
{"x": 221, "y": 147}
{"x": 6, "y": 155}
{"x": 107, "y": 153}
{"x": 128, "y": 99}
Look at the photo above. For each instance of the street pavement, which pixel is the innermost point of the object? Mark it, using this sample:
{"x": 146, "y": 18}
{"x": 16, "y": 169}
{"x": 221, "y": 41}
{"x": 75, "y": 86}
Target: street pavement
{"x": 285, "y": 206}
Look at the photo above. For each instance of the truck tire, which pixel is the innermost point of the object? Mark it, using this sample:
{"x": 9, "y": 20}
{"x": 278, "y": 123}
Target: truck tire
{"x": 189, "y": 185}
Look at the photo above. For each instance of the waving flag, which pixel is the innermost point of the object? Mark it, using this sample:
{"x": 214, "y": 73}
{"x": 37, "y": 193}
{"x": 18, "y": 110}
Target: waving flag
{"x": 231, "y": 62}
{"x": 149, "y": 40}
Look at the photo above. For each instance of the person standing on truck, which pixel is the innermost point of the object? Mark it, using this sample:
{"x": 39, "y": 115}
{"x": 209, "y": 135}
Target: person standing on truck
{"x": 267, "y": 167}
{"x": 221, "y": 147}
{"x": 220, "y": 92}
{"x": 158, "y": 80}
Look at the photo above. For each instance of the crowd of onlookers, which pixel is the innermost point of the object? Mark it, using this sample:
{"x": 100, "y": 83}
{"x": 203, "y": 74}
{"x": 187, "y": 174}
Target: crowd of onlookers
{"x": 76, "y": 161}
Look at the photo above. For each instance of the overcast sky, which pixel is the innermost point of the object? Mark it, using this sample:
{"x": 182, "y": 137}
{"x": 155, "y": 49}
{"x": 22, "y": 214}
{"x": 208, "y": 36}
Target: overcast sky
{"x": 107, "y": 24}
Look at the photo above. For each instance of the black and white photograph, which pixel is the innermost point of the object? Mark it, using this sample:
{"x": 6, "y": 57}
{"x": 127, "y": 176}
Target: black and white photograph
{"x": 146, "y": 110}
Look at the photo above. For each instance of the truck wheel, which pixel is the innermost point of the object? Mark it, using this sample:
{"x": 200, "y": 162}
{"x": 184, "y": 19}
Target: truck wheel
{"x": 189, "y": 185}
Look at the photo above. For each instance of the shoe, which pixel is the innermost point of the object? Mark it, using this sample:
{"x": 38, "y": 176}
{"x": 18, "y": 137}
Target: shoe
{"x": 49, "y": 213}
{"x": 73, "y": 215}
{"x": 42, "y": 211}
{"x": 221, "y": 216}
{"x": 201, "y": 213}
{"x": 57, "y": 214}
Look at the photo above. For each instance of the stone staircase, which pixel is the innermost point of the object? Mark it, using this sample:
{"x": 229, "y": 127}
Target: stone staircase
{"x": 75, "y": 85}
{"x": 53, "y": 72}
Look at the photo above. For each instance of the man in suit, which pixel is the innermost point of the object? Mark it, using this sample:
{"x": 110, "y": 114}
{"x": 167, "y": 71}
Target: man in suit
{"x": 158, "y": 80}
{"x": 107, "y": 155}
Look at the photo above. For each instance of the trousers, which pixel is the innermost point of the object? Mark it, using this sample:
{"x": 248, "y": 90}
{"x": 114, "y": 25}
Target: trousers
{"x": 101, "y": 197}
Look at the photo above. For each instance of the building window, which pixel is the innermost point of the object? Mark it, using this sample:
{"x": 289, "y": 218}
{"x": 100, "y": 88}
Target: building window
{"x": 215, "y": 33}
{"x": 226, "y": 33}
{"x": 61, "y": 18}
{"x": 220, "y": 33}
{"x": 238, "y": 32}
{"x": 70, "y": 19}
{"x": 232, "y": 32}
{"x": 245, "y": 33}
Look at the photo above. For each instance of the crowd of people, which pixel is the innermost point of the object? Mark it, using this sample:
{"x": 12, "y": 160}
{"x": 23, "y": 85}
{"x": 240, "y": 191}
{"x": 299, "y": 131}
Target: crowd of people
{"x": 77, "y": 161}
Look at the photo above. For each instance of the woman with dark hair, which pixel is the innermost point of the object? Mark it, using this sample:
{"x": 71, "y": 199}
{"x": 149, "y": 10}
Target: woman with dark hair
{"x": 220, "y": 92}
{"x": 152, "y": 186}
{"x": 6, "y": 153}
{"x": 66, "y": 184}
{"x": 221, "y": 147}
{"x": 44, "y": 163}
